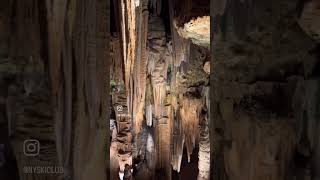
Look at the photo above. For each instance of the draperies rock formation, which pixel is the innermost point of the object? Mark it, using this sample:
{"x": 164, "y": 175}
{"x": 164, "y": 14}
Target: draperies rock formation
{"x": 120, "y": 131}
{"x": 166, "y": 79}
{"x": 265, "y": 90}
{"x": 54, "y": 86}
{"x": 264, "y": 94}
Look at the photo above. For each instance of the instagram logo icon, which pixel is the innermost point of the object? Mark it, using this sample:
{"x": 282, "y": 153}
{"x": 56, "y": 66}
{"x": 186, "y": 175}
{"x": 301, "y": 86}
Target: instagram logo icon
{"x": 31, "y": 147}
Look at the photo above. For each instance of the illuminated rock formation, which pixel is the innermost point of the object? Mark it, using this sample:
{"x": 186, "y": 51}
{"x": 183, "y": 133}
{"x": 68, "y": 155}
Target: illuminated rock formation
{"x": 158, "y": 61}
{"x": 159, "y": 81}
{"x": 204, "y": 139}
{"x": 189, "y": 113}
{"x": 204, "y": 151}
{"x": 261, "y": 103}
{"x": 197, "y": 30}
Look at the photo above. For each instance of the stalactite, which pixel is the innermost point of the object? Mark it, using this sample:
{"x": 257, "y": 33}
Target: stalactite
{"x": 134, "y": 22}
{"x": 157, "y": 64}
{"x": 190, "y": 112}
{"x": 159, "y": 91}
{"x": 178, "y": 142}
{"x": 124, "y": 35}
{"x": 116, "y": 70}
{"x": 130, "y": 47}
{"x": 140, "y": 66}
{"x": 149, "y": 115}
{"x": 149, "y": 103}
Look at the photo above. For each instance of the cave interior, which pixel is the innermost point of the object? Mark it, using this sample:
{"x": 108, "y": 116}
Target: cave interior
{"x": 160, "y": 89}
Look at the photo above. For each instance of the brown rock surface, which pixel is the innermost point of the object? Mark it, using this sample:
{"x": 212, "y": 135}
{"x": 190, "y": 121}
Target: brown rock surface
{"x": 262, "y": 65}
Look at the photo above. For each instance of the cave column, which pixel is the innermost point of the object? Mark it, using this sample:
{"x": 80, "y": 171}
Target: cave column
{"x": 158, "y": 61}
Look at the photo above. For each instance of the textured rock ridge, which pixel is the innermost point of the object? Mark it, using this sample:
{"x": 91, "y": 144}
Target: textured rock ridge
{"x": 264, "y": 61}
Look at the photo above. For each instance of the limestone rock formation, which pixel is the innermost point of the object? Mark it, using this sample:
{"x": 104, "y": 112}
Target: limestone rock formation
{"x": 197, "y": 30}
{"x": 165, "y": 77}
{"x": 55, "y": 86}
{"x": 309, "y": 19}
{"x": 263, "y": 67}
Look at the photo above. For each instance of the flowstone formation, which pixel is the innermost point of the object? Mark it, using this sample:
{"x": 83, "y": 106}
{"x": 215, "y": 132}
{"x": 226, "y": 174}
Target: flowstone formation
{"x": 53, "y": 73}
{"x": 264, "y": 82}
{"x": 166, "y": 81}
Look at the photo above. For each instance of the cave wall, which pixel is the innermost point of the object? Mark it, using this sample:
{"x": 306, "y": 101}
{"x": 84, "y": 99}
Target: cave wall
{"x": 55, "y": 86}
{"x": 264, "y": 80}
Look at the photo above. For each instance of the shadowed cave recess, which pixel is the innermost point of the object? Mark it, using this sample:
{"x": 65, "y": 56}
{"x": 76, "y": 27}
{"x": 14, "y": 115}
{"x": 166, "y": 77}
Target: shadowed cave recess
{"x": 165, "y": 90}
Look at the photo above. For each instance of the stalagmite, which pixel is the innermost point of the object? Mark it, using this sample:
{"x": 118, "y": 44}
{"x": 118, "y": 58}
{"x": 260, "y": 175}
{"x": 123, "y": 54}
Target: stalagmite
{"x": 116, "y": 69}
{"x": 163, "y": 90}
{"x": 204, "y": 150}
{"x": 150, "y": 144}
{"x": 114, "y": 163}
{"x": 204, "y": 140}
